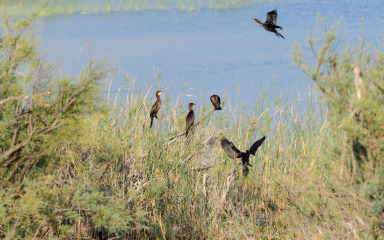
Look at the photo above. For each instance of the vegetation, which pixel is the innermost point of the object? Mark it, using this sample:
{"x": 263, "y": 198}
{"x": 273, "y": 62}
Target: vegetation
{"x": 71, "y": 167}
{"x": 56, "y": 7}
{"x": 352, "y": 84}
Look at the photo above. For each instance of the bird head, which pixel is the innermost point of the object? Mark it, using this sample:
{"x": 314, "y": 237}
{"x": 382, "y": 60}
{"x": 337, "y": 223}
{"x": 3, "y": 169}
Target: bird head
{"x": 191, "y": 106}
{"x": 158, "y": 93}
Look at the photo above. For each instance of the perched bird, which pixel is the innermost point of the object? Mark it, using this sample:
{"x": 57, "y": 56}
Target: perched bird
{"x": 232, "y": 152}
{"x": 216, "y": 102}
{"x": 270, "y": 23}
{"x": 156, "y": 107}
{"x": 190, "y": 118}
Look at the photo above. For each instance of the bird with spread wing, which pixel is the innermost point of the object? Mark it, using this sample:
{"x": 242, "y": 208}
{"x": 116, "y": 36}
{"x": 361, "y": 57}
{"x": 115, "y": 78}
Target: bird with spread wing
{"x": 231, "y": 150}
{"x": 270, "y": 23}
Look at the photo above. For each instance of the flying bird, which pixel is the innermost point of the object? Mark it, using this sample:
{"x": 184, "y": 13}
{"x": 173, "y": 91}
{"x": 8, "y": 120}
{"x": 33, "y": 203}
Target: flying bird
{"x": 216, "y": 102}
{"x": 270, "y": 23}
{"x": 156, "y": 107}
{"x": 231, "y": 150}
{"x": 190, "y": 118}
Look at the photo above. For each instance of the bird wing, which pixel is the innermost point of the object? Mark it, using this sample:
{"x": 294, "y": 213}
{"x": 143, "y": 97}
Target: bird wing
{"x": 256, "y": 145}
{"x": 272, "y": 17}
{"x": 154, "y": 109}
{"x": 190, "y": 119}
{"x": 229, "y": 148}
{"x": 218, "y": 100}
{"x": 234, "y": 148}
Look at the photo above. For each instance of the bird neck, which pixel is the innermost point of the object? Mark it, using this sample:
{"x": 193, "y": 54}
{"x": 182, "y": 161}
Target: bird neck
{"x": 158, "y": 98}
{"x": 260, "y": 23}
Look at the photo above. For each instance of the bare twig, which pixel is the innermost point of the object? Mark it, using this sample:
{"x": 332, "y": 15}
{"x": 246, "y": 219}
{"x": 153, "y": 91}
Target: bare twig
{"x": 358, "y": 81}
{"x": 225, "y": 191}
{"x": 362, "y": 40}
{"x": 194, "y": 125}
{"x": 182, "y": 134}
{"x": 2, "y": 75}
{"x": 10, "y": 235}
{"x": 38, "y": 229}
{"x": 203, "y": 167}
{"x": 290, "y": 200}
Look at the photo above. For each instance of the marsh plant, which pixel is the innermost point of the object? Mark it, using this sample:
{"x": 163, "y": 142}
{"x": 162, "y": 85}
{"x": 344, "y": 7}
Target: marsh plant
{"x": 71, "y": 167}
{"x": 55, "y": 7}
{"x": 351, "y": 185}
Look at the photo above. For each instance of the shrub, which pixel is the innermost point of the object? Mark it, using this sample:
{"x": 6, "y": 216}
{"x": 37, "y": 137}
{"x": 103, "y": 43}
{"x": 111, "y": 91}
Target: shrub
{"x": 351, "y": 82}
{"x": 40, "y": 114}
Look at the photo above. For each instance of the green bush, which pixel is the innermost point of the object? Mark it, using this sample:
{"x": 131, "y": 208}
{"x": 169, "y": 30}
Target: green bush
{"x": 351, "y": 82}
{"x": 41, "y": 113}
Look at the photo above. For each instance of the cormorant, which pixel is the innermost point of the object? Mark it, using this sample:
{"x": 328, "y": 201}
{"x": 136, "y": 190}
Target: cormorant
{"x": 216, "y": 102}
{"x": 190, "y": 118}
{"x": 252, "y": 150}
{"x": 156, "y": 107}
{"x": 232, "y": 152}
{"x": 270, "y": 23}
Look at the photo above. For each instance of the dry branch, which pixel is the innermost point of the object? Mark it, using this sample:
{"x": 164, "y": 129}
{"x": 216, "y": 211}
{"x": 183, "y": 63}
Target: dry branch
{"x": 182, "y": 134}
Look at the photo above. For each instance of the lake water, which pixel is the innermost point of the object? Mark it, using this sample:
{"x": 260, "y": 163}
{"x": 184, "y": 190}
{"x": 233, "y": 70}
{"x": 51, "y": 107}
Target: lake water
{"x": 207, "y": 51}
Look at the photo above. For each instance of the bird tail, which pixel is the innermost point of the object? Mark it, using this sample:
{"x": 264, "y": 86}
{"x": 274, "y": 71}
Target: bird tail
{"x": 279, "y": 35}
{"x": 151, "y": 121}
{"x": 186, "y": 133}
{"x": 245, "y": 171}
{"x": 219, "y": 108}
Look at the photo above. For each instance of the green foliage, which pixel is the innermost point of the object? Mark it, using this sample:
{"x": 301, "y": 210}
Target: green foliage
{"x": 41, "y": 196}
{"x": 37, "y": 109}
{"x": 351, "y": 83}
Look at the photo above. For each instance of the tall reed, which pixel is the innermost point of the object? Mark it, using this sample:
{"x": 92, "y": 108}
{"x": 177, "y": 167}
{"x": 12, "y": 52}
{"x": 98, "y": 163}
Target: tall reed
{"x": 184, "y": 186}
{"x": 56, "y": 7}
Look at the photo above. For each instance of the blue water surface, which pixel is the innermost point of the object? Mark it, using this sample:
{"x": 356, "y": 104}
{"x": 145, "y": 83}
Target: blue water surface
{"x": 205, "y": 52}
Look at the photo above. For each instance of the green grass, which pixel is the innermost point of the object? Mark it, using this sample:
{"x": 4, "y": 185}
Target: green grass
{"x": 56, "y": 7}
{"x": 184, "y": 185}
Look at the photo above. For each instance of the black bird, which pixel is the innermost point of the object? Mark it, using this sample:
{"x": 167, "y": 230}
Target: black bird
{"x": 252, "y": 150}
{"x": 216, "y": 102}
{"x": 156, "y": 107}
{"x": 270, "y": 23}
{"x": 190, "y": 118}
{"x": 232, "y": 152}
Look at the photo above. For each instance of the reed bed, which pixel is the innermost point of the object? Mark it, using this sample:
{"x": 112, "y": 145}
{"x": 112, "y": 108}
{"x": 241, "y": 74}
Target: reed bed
{"x": 185, "y": 186}
{"x": 56, "y": 7}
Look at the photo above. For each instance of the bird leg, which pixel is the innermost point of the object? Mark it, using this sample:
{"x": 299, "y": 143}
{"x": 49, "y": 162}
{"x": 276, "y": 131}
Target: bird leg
{"x": 278, "y": 27}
